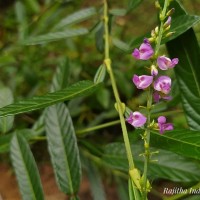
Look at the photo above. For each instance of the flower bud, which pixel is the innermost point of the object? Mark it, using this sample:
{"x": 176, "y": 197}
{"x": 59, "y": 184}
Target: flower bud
{"x": 170, "y": 12}
{"x": 157, "y": 5}
{"x": 169, "y": 34}
{"x": 156, "y": 30}
{"x": 154, "y": 71}
{"x": 168, "y": 22}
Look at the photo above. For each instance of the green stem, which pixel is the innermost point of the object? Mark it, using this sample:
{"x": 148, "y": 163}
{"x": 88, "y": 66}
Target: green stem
{"x": 162, "y": 17}
{"x": 86, "y": 130}
{"x": 147, "y": 142}
{"x": 115, "y": 90}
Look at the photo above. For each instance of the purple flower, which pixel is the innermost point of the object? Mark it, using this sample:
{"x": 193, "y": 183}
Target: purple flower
{"x": 144, "y": 52}
{"x": 136, "y": 119}
{"x": 168, "y": 22}
{"x": 163, "y": 84}
{"x": 165, "y": 63}
{"x": 143, "y": 81}
{"x": 163, "y": 126}
{"x": 158, "y": 96}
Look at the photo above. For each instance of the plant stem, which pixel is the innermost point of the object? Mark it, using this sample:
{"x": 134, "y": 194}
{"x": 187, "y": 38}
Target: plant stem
{"x": 86, "y": 130}
{"x": 149, "y": 105}
{"x": 147, "y": 141}
{"x": 114, "y": 87}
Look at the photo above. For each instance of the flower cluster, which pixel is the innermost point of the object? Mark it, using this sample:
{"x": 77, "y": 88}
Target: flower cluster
{"x": 161, "y": 85}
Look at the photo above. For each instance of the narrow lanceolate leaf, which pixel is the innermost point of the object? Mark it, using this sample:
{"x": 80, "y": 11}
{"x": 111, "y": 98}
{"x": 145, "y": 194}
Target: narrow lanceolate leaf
{"x": 50, "y": 37}
{"x": 76, "y": 17}
{"x": 6, "y": 98}
{"x": 169, "y": 165}
{"x": 81, "y": 88}
{"x": 63, "y": 148}
{"x": 183, "y": 142}
{"x": 25, "y": 169}
{"x": 100, "y": 74}
{"x": 188, "y": 74}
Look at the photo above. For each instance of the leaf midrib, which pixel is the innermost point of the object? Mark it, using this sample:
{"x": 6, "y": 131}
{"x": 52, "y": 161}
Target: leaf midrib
{"x": 181, "y": 141}
{"x": 42, "y": 105}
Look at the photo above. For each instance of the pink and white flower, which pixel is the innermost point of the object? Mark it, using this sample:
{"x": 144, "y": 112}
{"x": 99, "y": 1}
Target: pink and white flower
{"x": 142, "y": 82}
{"x": 154, "y": 70}
{"x": 144, "y": 52}
{"x": 136, "y": 119}
{"x": 163, "y": 84}
{"x": 165, "y": 63}
{"x": 163, "y": 126}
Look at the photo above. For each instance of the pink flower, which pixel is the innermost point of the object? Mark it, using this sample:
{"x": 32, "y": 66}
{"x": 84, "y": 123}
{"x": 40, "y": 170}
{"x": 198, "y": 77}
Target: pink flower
{"x": 163, "y": 84}
{"x": 136, "y": 119}
{"x": 143, "y": 81}
{"x": 165, "y": 63}
{"x": 168, "y": 22}
{"x": 163, "y": 126}
{"x": 158, "y": 96}
{"x": 144, "y": 52}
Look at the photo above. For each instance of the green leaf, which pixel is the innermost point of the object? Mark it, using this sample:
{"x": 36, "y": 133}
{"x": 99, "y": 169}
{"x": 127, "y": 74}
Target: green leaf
{"x": 184, "y": 142}
{"x": 188, "y": 74}
{"x": 63, "y": 148}
{"x": 60, "y": 80}
{"x": 133, "y": 4}
{"x": 33, "y": 5}
{"x": 49, "y": 37}
{"x": 99, "y": 40}
{"x": 6, "y": 97}
{"x": 25, "y": 169}
{"x": 121, "y": 45}
{"x": 169, "y": 166}
{"x": 76, "y": 17}
{"x": 118, "y": 11}
{"x": 81, "y": 88}
{"x": 103, "y": 97}
{"x": 100, "y": 74}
